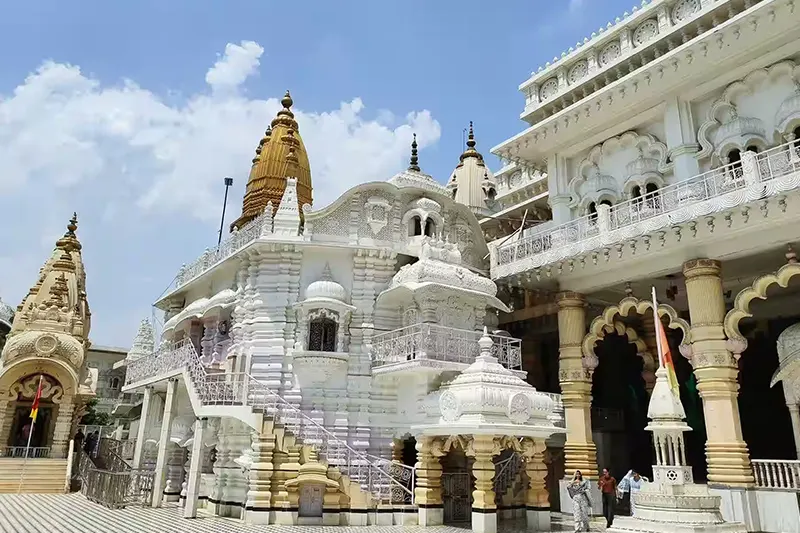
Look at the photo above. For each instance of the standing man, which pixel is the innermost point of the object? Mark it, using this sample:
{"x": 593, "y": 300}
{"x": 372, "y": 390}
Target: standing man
{"x": 608, "y": 487}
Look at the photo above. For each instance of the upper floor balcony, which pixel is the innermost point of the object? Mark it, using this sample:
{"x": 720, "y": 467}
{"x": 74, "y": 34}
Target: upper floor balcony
{"x": 710, "y": 201}
{"x": 623, "y": 46}
{"x": 439, "y": 348}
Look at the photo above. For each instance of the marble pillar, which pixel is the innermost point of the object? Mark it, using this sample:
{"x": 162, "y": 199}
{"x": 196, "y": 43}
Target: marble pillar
{"x": 580, "y": 452}
{"x": 195, "y": 470}
{"x": 428, "y": 490}
{"x": 159, "y": 478}
{"x": 794, "y": 413}
{"x": 484, "y": 510}
{"x": 537, "y": 498}
{"x": 716, "y": 371}
{"x": 6, "y": 419}
{"x": 141, "y": 431}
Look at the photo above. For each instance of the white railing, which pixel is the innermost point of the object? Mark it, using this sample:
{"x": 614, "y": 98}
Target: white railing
{"x": 758, "y": 176}
{"x": 777, "y": 474}
{"x": 385, "y": 480}
{"x": 237, "y": 239}
{"x": 19, "y": 452}
{"x": 440, "y": 343}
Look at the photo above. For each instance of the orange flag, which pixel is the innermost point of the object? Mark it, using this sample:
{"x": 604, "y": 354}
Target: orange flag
{"x": 664, "y": 352}
{"x": 35, "y": 405}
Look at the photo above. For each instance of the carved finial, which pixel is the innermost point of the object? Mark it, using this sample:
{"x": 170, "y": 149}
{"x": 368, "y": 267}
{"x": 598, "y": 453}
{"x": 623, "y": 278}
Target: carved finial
{"x": 471, "y": 137}
{"x": 628, "y": 290}
{"x": 73, "y": 223}
{"x": 486, "y": 344}
{"x": 414, "y": 164}
{"x": 791, "y": 256}
{"x": 287, "y": 101}
{"x": 326, "y": 273}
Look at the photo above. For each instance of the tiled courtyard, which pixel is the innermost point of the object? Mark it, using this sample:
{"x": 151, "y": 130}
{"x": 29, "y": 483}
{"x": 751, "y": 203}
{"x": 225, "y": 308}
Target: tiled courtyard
{"x": 72, "y": 513}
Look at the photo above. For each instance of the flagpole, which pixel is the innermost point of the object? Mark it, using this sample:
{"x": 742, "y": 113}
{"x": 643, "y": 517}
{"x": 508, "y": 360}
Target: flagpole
{"x": 657, "y": 324}
{"x": 30, "y": 434}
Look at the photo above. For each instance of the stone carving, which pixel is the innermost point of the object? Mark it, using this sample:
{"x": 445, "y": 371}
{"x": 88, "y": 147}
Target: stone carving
{"x": 449, "y": 406}
{"x": 578, "y": 71}
{"x": 519, "y": 408}
{"x": 377, "y": 211}
{"x": 549, "y": 89}
{"x": 684, "y": 9}
{"x": 646, "y": 31}
{"x": 609, "y": 54}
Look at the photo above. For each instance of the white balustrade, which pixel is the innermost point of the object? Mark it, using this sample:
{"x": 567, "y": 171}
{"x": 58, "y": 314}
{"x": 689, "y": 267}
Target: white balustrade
{"x": 387, "y": 481}
{"x": 440, "y": 343}
{"x": 758, "y": 176}
{"x": 21, "y": 452}
{"x": 777, "y": 474}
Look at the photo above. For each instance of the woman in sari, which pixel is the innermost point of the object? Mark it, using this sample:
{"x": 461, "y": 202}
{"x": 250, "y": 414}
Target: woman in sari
{"x": 578, "y": 490}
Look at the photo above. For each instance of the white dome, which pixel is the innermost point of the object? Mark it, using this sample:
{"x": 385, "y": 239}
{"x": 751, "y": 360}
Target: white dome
{"x": 326, "y": 288}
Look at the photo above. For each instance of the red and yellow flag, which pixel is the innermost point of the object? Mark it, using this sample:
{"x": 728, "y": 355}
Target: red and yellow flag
{"x": 35, "y": 405}
{"x": 664, "y": 352}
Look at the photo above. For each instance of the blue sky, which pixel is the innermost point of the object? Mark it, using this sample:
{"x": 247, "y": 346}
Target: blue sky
{"x": 132, "y": 112}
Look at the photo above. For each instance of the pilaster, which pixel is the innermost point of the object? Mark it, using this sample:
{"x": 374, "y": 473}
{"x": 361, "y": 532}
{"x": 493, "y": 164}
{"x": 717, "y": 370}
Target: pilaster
{"x": 580, "y": 452}
{"x": 428, "y": 492}
{"x": 61, "y": 432}
{"x": 717, "y": 372}
{"x": 259, "y": 495}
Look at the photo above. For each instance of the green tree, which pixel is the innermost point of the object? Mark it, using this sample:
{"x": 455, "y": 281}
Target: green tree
{"x": 92, "y": 418}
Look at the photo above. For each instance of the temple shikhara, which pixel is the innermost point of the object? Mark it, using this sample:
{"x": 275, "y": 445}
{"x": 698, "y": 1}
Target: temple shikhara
{"x": 451, "y": 349}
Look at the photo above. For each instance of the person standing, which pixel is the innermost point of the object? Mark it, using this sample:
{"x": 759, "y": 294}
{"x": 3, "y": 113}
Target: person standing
{"x": 608, "y": 488}
{"x": 636, "y": 483}
{"x": 578, "y": 490}
{"x": 624, "y": 489}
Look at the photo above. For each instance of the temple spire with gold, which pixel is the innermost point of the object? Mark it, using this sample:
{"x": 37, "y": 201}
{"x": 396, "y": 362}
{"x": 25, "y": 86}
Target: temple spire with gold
{"x": 280, "y": 154}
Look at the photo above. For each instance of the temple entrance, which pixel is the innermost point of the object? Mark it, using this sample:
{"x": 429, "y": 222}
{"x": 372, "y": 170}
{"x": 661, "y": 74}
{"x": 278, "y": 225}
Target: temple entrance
{"x": 21, "y": 427}
{"x": 457, "y": 487}
{"x": 619, "y": 409}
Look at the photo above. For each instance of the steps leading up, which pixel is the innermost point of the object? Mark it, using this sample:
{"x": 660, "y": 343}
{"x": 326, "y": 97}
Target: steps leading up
{"x": 41, "y": 476}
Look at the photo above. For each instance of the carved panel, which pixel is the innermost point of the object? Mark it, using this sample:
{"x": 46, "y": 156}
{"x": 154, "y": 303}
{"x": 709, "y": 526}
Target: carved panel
{"x": 646, "y": 31}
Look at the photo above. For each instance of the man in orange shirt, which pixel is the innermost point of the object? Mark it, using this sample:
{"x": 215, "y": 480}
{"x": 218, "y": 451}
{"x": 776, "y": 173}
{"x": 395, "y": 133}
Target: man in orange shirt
{"x": 608, "y": 487}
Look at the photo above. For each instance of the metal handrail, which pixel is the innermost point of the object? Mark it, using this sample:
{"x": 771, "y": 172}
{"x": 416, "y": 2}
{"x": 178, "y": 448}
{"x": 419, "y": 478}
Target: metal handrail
{"x": 387, "y": 480}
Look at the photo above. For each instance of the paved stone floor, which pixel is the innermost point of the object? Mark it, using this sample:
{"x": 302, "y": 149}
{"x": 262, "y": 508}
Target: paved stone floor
{"x": 72, "y": 513}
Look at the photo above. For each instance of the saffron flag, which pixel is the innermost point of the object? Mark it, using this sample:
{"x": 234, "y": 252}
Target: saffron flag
{"x": 35, "y": 405}
{"x": 664, "y": 352}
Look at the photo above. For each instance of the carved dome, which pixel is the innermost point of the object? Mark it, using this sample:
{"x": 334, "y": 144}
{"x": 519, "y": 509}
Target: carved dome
{"x": 325, "y": 288}
{"x": 281, "y": 154}
{"x": 144, "y": 342}
{"x": 738, "y": 131}
{"x": 414, "y": 177}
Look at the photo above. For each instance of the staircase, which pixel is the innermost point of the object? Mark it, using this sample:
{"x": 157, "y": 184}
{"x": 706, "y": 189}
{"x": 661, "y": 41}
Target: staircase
{"x": 41, "y": 476}
{"x": 383, "y": 481}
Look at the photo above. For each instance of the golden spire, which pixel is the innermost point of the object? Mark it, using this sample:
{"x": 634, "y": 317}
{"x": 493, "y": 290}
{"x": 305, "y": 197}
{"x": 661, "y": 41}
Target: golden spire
{"x": 280, "y": 154}
{"x": 414, "y": 163}
{"x": 470, "y": 151}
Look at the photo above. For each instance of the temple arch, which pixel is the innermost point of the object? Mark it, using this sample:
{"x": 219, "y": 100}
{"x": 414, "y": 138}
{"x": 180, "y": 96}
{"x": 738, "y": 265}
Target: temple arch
{"x": 758, "y": 289}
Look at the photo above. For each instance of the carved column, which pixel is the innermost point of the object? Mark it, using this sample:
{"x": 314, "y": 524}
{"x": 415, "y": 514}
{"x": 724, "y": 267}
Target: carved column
{"x": 716, "y": 372}
{"x": 794, "y": 413}
{"x": 580, "y": 452}
{"x": 484, "y": 511}
{"x": 428, "y": 492}
{"x": 207, "y": 340}
{"x": 259, "y": 494}
{"x": 537, "y": 498}
{"x": 63, "y": 426}
{"x": 6, "y": 420}
{"x": 159, "y": 478}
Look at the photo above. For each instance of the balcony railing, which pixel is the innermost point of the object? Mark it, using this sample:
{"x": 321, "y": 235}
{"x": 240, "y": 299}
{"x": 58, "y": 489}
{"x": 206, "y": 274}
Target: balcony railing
{"x": 440, "y": 343}
{"x": 777, "y": 474}
{"x": 233, "y": 243}
{"x": 757, "y": 176}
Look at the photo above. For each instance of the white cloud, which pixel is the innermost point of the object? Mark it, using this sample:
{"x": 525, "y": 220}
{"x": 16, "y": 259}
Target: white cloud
{"x": 133, "y": 162}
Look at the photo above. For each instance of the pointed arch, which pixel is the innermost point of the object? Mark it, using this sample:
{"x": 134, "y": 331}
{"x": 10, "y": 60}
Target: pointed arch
{"x": 628, "y": 306}
{"x": 758, "y": 289}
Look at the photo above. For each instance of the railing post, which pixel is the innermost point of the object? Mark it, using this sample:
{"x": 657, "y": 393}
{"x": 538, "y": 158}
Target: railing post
{"x": 750, "y": 170}
{"x": 603, "y": 218}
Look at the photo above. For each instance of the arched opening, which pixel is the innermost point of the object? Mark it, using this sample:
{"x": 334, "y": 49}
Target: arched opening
{"x": 766, "y": 423}
{"x": 592, "y": 209}
{"x": 415, "y": 226}
{"x": 651, "y": 196}
{"x": 619, "y": 408}
{"x": 18, "y": 416}
{"x": 115, "y": 383}
{"x": 454, "y": 191}
{"x": 491, "y": 194}
{"x": 457, "y": 487}
{"x": 430, "y": 228}
{"x": 322, "y": 334}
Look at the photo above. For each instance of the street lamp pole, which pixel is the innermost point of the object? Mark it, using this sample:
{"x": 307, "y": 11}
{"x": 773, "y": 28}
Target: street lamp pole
{"x": 228, "y": 183}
